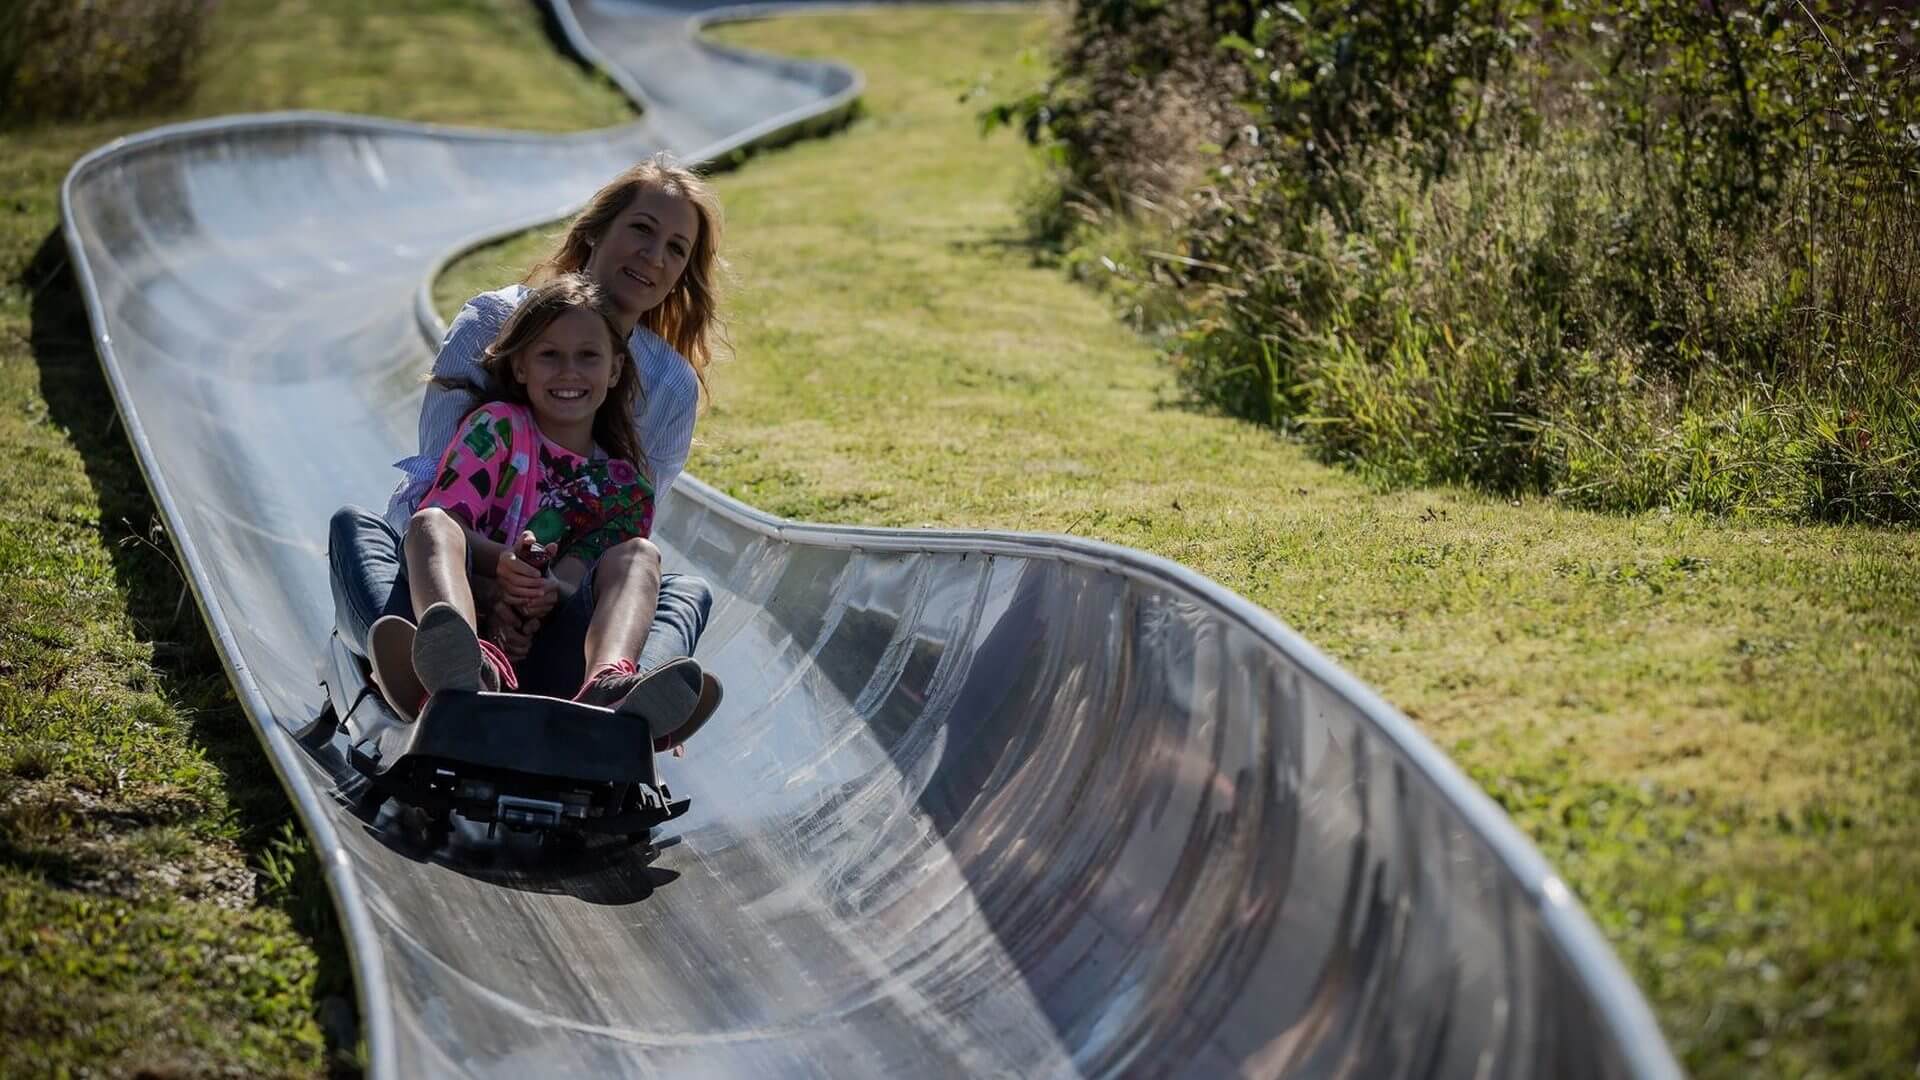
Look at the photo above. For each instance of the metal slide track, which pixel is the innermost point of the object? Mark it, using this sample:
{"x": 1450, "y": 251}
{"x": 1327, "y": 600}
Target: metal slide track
{"x": 977, "y": 803}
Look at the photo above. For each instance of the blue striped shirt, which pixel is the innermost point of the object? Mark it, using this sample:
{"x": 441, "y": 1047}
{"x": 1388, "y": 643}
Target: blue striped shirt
{"x": 663, "y": 414}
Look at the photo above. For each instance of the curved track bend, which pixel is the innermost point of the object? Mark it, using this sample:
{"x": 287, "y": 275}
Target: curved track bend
{"x": 978, "y": 803}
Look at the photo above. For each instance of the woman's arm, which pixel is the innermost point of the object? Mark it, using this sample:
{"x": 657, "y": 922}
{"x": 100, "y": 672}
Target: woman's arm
{"x": 458, "y": 362}
{"x": 664, "y": 417}
{"x": 666, "y": 462}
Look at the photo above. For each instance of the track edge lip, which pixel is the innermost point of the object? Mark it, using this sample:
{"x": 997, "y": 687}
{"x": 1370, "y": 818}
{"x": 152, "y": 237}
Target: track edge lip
{"x": 1616, "y": 999}
{"x": 343, "y": 885}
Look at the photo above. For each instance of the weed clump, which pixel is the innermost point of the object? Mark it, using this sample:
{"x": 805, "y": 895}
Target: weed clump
{"x": 1634, "y": 256}
{"x": 64, "y": 61}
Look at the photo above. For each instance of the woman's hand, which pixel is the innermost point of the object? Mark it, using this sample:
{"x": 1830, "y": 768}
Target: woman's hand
{"x": 507, "y": 628}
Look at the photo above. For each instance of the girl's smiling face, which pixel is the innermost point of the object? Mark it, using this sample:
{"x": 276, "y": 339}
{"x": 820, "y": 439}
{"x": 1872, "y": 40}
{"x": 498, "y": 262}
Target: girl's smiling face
{"x": 567, "y": 370}
{"x": 644, "y": 251}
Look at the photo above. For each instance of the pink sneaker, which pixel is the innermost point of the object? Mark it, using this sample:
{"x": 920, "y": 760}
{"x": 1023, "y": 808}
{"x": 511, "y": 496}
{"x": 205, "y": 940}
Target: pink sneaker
{"x": 608, "y": 684}
{"x": 499, "y": 667}
{"x": 448, "y": 655}
{"x": 665, "y": 697}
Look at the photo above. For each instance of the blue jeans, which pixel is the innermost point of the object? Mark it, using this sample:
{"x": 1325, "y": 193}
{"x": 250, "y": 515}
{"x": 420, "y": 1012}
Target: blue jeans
{"x": 370, "y": 580}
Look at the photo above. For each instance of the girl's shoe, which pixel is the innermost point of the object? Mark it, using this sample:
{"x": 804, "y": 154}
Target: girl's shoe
{"x": 390, "y": 655}
{"x": 665, "y": 697}
{"x": 710, "y": 696}
{"x": 448, "y": 655}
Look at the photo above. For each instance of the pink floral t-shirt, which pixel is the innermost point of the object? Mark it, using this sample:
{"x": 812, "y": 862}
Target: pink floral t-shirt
{"x": 501, "y": 476}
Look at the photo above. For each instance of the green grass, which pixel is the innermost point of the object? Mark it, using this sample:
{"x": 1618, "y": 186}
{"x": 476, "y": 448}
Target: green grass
{"x": 158, "y": 910}
{"x": 1708, "y": 728}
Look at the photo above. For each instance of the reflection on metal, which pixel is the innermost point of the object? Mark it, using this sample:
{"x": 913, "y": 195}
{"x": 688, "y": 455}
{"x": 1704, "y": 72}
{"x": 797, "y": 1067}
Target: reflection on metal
{"x": 978, "y": 803}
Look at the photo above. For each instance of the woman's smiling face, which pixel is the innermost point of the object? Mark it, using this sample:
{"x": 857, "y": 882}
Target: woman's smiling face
{"x": 568, "y": 369}
{"x": 644, "y": 251}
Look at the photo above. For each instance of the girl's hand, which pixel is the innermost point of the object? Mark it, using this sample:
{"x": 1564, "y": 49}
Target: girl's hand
{"x": 525, "y": 580}
{"x": 529, "y": 551}
{"x": 517, "y": 574}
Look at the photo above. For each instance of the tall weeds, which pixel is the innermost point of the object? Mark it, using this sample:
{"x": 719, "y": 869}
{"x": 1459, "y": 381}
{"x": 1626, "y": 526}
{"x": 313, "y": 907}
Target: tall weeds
{"x": 1660, "y": 254}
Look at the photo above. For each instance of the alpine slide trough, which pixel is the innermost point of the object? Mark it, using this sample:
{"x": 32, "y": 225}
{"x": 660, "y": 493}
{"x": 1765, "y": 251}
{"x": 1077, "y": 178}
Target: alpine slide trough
{"x": 977, "y": 803}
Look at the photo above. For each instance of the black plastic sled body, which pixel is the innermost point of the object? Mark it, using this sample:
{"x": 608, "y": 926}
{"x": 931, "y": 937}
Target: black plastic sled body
{"x": 527, "y": 763}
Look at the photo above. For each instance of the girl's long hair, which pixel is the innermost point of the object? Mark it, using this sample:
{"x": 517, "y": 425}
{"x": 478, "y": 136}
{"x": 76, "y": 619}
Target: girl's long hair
{"x": 689, "y": 318}
{"x": 613, "y": 422}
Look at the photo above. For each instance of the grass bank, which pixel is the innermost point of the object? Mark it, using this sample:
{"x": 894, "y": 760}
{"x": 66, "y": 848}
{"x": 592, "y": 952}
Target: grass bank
{"x": 1708, "y": 728}
{"x": 160, "y": 914}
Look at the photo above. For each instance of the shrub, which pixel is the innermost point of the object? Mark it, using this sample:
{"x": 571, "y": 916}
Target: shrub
{"x": 1143, "y": 95}
{"x": 67, "y": 60}
{"x": 1633, "y": 255}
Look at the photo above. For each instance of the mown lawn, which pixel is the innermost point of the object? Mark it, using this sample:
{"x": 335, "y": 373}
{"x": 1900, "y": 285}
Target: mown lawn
{"x": 1707, "y": 727}
{"x": 159, "y": 912}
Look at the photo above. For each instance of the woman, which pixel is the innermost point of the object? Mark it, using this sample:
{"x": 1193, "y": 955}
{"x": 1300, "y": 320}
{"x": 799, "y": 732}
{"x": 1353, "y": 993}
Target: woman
{"x": 651, "y": 239}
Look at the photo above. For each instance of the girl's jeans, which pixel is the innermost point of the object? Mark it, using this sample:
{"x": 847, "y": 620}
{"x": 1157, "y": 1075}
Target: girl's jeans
{"x": 370, "y": 580}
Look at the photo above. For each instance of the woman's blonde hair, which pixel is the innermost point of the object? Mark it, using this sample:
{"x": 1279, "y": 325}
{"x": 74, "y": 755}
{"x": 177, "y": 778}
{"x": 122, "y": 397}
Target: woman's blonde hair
{"x": 613, "y": 422}
{"x": 689, "y": 318}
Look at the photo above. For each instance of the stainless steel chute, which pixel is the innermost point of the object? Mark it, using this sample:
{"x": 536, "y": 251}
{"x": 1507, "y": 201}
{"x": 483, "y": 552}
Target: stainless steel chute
{"x": 978, "y": 803}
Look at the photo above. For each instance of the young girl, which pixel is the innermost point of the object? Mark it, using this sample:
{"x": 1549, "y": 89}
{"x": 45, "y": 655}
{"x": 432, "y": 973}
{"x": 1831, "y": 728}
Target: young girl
{"x": 542, "y": 472}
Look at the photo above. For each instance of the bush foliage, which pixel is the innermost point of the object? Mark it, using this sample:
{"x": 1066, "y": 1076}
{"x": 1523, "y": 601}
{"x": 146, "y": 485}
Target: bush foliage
{"x": 67, "y": 60}
{"x": 1633, "y": 254}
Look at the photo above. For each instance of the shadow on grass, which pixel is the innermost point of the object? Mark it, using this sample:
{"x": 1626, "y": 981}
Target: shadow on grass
{"x": 1008, "y": 243}
{"x": 187, "y": 669}
{"x": 57, "y": 865}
